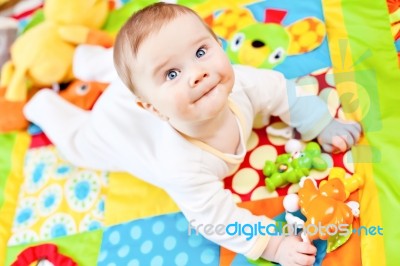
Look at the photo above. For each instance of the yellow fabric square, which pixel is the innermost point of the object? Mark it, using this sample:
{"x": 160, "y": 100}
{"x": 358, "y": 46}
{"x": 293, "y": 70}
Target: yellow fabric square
{"x": 130, "y": 198}
{"x": 56, "y": 198}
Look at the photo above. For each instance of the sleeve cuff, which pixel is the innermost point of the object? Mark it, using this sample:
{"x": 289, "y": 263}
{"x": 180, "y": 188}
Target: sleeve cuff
{"x": 317, "y": 128}
{"x": 260, "y": 244}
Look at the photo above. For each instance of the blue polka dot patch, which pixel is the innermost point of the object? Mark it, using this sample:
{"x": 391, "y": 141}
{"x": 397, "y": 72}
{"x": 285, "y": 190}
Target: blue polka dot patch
{"x": 156, "y": 241}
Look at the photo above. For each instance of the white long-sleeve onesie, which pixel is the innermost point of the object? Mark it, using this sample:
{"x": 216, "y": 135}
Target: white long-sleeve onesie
{"x": 118, "y": 135}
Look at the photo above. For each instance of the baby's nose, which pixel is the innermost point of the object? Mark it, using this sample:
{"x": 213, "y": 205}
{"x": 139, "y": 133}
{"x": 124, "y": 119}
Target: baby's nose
{"x": 198, "y": 77}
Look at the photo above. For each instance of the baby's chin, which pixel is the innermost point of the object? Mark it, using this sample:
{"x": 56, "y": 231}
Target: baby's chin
{"x": 216, "y": 107}
{"x": 217, "y": 97}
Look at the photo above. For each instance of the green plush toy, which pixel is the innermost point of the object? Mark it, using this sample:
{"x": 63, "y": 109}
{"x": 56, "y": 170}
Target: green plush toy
{"x": 291, "y": 167}
{"x": 266, "y": 44}
{"x": 260, "y": 45}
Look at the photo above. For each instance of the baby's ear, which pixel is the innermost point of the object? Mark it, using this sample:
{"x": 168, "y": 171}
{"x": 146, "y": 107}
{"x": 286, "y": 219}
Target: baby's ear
{"x": 149, "y": 107}
{"x": 141, "y": 104}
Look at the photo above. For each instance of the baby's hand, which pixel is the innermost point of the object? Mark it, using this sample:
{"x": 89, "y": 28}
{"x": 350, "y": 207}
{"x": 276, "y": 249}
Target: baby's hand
{"x": 339, "y": 136}
{"x": 289, "y": 251}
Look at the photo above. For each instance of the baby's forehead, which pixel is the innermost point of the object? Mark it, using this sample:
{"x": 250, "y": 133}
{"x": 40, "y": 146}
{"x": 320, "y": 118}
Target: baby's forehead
{"x": 171, "y": 40}
{"x": 177, "y": 26}
{"x": 181, "y": 20}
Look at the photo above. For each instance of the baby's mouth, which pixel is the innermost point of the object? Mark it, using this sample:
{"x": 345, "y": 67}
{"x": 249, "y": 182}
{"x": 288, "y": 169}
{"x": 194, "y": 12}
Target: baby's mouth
{"x": 205, "y": 93}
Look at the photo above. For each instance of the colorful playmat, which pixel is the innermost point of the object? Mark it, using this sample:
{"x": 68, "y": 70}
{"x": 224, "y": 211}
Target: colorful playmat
{"x": 343, "y": 51}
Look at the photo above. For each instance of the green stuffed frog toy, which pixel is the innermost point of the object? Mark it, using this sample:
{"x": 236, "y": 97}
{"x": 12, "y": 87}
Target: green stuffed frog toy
{"x": 291, "y": 167}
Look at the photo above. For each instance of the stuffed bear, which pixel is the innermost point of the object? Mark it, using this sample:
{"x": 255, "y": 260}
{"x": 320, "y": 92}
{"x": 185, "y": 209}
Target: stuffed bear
{"x": 43, "y": 55}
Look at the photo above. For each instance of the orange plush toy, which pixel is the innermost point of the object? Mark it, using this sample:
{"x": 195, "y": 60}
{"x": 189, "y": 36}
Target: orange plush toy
{"x": 11, "y": 116}
{"x": 325, "y": 207}
{"x": 83, "y": 93}
{"x": 80, "y": 93}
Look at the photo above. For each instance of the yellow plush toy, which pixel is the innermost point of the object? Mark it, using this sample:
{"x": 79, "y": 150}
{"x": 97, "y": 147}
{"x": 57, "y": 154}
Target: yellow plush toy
{"x": 43, "y": 55}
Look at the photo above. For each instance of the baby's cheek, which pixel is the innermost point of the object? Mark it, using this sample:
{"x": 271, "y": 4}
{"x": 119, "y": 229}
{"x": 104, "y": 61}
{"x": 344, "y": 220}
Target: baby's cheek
{"x": 180, "y": 105}
{"x": 228, "y": 71}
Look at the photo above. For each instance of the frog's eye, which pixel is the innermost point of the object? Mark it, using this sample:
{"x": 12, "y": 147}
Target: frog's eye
{"x": 276, "y": 55}
{"x": 237, "y": 41}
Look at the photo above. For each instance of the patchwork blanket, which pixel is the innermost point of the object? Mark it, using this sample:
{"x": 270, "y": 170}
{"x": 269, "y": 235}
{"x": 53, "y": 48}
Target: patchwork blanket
{"x": 343, "y": 51}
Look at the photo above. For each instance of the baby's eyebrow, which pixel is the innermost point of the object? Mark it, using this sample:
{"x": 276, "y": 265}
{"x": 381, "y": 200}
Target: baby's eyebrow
{"x": 159, "y": 66}
{"x": 200, "y": 39}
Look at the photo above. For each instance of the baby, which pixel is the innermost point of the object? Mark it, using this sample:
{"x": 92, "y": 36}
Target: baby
{"x": 184, "y": 127}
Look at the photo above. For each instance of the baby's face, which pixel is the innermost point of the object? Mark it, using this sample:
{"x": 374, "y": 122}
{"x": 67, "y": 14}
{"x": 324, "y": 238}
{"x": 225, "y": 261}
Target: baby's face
{"x": 183, "y": 72}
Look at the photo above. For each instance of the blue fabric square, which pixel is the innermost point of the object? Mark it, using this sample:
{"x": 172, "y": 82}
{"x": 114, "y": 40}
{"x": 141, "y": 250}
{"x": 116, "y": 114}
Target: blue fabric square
{"x": 159, "y": 240}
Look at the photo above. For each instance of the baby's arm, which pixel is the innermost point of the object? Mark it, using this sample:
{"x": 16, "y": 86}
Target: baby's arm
{"x": 206, "y": 205}
{"x": 271, "y": 94}
{"x": 311, "y": 117}
{"x": 290, "y": 250}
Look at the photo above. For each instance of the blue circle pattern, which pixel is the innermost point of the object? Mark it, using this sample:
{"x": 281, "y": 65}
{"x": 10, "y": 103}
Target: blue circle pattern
{"x": 24, "y": 215}
{"x": 49, "y": 201}
{"x": 63, "y": 169}
{"x": 82, "y": 190}
{"x": 59, "y": 230}
{"x": 156, "y": 241}
{"x": 38, "y": 172}
{"x": 94, "y": 225}
{"x": 101, "y": 206}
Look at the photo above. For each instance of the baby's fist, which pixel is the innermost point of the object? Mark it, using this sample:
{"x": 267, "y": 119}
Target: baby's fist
{"x": 339, "y": 136}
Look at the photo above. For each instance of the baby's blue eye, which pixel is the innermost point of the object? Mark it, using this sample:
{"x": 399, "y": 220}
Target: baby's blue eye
{"x": 201, "y": 52}
{"x": 171, "y": 74}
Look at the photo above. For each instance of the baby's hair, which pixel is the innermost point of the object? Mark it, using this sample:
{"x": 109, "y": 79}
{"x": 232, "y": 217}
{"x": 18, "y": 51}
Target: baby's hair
{"x": 139, "y": 26}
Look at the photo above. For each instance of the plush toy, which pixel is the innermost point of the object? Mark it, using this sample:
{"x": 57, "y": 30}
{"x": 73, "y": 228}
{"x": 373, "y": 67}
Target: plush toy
{"x": 80, "y": 93}
{"x": 43, "y": 55}
{"x": 350, "y": 184}
{"x": 266, "y": 44}
{"x": 291, "y": 167}
{"x": 328, "y": 214}
{"x": 11, "y": 116}
{"x": 83, "y": 94}
{"x": 324, "y": 206}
